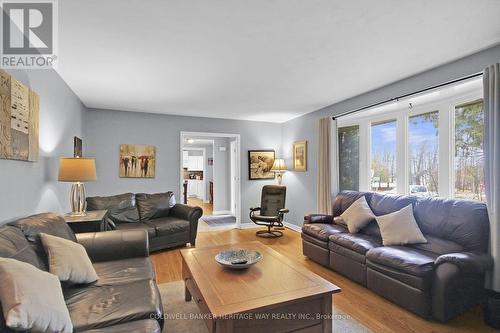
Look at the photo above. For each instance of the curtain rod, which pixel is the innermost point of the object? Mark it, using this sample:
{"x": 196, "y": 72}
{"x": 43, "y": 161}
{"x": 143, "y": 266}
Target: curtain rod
{"x": 395, "y": 99}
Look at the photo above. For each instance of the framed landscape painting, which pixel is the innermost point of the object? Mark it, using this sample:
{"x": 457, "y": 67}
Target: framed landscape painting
{"x": 137, "y": 161}
{"x": 300, "y": 156}
{"x": 260, "y": 163}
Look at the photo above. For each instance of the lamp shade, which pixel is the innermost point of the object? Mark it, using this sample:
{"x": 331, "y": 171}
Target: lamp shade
{"x": 76, "y": 169}
{"x": 279, "y": 165}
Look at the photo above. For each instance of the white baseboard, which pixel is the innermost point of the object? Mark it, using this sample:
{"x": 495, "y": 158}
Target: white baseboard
{"x": 292, "y": 226}
{"x": 221, "y": 212}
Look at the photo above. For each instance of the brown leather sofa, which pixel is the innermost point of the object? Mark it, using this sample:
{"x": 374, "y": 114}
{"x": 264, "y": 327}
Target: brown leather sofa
{"x": 167, "y": 224}
{"x": 439, "y": 279}
{"x": 125, "y": 298}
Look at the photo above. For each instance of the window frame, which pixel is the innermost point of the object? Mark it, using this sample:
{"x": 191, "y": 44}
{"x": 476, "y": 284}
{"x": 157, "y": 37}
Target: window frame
{"x": 401, "y": 113}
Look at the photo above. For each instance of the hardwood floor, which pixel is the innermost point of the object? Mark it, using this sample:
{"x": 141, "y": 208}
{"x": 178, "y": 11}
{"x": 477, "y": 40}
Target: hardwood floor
{"x": 207, "y": 207}
{"x": 360, "y": 303}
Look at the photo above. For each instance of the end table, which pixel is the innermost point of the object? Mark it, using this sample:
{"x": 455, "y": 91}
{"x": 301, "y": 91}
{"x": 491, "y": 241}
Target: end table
{"x": 94, "y": 221}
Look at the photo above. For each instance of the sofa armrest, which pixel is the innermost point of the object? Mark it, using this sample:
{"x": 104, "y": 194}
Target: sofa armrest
{"x": 318, "y": 218}
{"x": 467, "y": 262}
{"x": 115, "y": 244}
{"x": 191, "y": 214}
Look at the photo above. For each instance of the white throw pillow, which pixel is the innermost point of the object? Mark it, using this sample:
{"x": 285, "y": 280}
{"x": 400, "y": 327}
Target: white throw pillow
{"x": 400, "y": 228}
{"x": 357, "y": 215}
{"x": 68, "y": 260}
{"x": 32, "y": 299}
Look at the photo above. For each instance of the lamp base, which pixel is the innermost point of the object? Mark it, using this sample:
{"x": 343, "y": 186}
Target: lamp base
{"x": 77, "y": 199}
{"x": 280, "y": 177}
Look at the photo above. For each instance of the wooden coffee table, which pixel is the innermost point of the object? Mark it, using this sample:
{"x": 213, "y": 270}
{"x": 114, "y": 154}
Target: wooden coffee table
{"x": 274, "y": 295}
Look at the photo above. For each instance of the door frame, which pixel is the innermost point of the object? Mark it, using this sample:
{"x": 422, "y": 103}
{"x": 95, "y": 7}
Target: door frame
{"x": 237, "y": 181}
{"x": 203, "y": 150}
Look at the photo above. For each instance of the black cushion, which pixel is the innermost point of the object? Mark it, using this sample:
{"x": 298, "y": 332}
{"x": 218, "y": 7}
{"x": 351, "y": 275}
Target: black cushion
{"x": 382, "y": 204}
{"x": 322, "y": 230}
{"x": 143, "y": 326}
{"x": 124, "y": 271}
{"x": 121, "y": 208}
{"x": 98, "y": 306}
{"x": 137, "y": 226}
{"x": 272, "y": 199}
{"x": 346, "y": 198}
{"x": 169, "y": 225}
{"x": 359, "y": 243}
{"x": 463, "y": 222}
{"x": 405, "y": 259}
{"x": 155, "y": 205}
{"x": 14, "y": 245}
{"x": 48, "y": 223}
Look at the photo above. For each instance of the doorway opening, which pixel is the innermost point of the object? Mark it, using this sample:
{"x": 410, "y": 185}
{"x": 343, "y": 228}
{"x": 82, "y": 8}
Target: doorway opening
{"x": 210, "y": 177}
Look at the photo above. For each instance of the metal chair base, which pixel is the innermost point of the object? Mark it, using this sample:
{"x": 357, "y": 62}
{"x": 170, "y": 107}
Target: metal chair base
{"x": 269, "y": 233}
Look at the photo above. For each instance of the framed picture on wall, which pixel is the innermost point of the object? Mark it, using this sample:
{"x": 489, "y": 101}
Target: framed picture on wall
{"x": 77, "y": 147}
{"x": 260, "y": 163}
{"x": 137, "y": 161}
{"x": 300, "y": 155}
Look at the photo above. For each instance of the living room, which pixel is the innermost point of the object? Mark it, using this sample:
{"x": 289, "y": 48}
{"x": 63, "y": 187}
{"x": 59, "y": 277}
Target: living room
{"x": 363, "y": 140}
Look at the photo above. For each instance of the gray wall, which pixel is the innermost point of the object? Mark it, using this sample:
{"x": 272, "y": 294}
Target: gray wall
{"x": 32, "y": 187}
{"x": 107, "y": 129}
{"x": 301, "y": 186}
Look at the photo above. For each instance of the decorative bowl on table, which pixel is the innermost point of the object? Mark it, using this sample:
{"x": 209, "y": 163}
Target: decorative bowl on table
{"x": 238, "y": 259}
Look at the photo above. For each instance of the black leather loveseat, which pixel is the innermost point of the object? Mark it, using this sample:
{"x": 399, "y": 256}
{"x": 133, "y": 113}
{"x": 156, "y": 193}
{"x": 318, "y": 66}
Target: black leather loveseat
{"x": 439, "y": 279}
{"x": 167, "y": 223}
{"x": 125, "y": 298}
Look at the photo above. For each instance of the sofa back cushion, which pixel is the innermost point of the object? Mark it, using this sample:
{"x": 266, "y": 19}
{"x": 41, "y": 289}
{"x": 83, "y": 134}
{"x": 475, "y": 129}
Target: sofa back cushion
{"x": 48, "y": 223}
{"x": 383, "y": 204}
{"x": 121, "y": 208}
{"x": 152, "y": 206}
{"x": 14, "y": 245}
{"x": 346, "y": 198}
{"x": 463, "y": 222}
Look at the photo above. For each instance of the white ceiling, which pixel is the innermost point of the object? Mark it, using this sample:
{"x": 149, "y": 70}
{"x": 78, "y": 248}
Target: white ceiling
{"x": 269, "y": 60}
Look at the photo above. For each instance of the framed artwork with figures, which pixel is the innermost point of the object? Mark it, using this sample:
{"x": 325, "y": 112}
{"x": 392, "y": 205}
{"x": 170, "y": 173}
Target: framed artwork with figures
{"x": 137, "y": 161}
{"x": 260, "y": 163}
{"x": 300, "y": 155}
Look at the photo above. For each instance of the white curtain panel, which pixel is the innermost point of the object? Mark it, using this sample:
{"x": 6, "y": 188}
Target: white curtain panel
{"x": 324, "y": 189}
{"x": 491, "y": 86}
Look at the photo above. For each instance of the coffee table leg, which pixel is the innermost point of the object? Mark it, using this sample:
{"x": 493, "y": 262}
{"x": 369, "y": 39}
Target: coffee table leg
{"x": 224, "y": 326}
{"x": 327, "y": 312}
{"x": 187, "y": 294}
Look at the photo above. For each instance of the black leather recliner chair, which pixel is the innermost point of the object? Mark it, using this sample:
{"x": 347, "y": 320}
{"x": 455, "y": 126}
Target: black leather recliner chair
{"x": 272, "y": 210}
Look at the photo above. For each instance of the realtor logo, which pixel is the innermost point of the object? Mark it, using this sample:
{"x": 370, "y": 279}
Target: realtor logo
{"x": 29, "y": 34}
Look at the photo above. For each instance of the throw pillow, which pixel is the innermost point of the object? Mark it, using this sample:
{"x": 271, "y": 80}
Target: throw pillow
{"x": 400, "y": 228}
{"x": 357, "y": 215}
{"x": 32, "y": 300}
{"x": 68, "y": 260}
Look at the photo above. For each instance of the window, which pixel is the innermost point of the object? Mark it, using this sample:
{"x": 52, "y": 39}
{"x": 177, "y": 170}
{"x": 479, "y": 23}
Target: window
{"x": 425, "y": 145}
{"x": 383, "y": 157}
{"x": 349, "y": 158}
{"x": 469, "y": 158}
{"x": 423, "y": 148}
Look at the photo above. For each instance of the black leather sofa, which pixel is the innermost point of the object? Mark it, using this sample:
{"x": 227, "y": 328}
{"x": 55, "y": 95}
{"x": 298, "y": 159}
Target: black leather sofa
{"x": 124, "y": 299}
{"x": 439, "y": 279}
{"x": 167, "y": 223}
